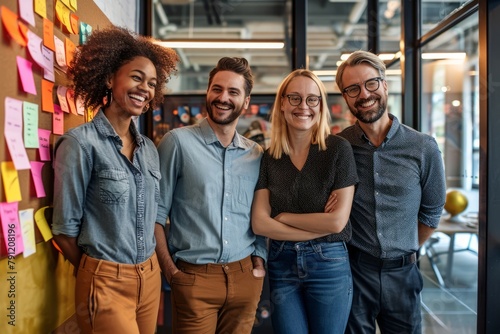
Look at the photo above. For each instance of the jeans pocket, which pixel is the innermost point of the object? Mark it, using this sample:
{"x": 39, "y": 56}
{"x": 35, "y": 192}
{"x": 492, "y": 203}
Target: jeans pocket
{"x": 275, "y": 249}
{"x": 332, "y": 251}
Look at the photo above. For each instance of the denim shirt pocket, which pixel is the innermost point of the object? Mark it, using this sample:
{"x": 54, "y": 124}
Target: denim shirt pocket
{"x": 156, "y": 178}
{"x": 113, "y": 186}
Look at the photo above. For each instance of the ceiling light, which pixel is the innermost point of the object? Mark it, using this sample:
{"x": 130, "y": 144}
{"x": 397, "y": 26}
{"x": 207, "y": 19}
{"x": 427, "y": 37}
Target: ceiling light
{"x": 222, "y": 44}
{"x": 426, "y": 55}
{"x": 383, "y": 56}
{"x": 332, "y": 73}
{"x": 444, "y": 55}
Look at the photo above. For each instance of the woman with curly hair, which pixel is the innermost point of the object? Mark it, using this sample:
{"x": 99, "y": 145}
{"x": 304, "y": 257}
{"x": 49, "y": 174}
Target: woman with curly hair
{"x": 106, "y": 186}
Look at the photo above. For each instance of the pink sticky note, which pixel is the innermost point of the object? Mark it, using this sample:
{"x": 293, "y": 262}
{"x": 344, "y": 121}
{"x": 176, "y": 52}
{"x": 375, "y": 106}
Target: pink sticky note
{"x": 44, "y": 147}
{"x": 24, "y": 68}
{"x": 35, "y": 48}
{"x": 12, "y": 233}
{"x": 26, "y": 11}
{"x": 36, "y": 174}
{"x": 61, "y": 97}
{"x": 58, "y": 121}
{"x": 13, "y": 132}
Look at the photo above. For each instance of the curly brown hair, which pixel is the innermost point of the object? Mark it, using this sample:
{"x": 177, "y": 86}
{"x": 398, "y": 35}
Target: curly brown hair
{"x": 107, "y": 50}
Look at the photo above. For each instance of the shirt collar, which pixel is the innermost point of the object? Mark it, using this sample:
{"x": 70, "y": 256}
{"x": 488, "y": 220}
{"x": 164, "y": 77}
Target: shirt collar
{"x": 392, "y": 131}
{"x": 105, "y": 128}
{"x": 210, "y": 136}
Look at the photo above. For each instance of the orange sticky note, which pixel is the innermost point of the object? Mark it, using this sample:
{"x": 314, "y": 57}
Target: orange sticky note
{"x": 10, "y": 180}
{"x": 23, "y": 29}
{"x": 70, "y": 50}
{"x": 10, "y": 22}
{"x": 74, "y": 23}
{"x": 48, "y": 34}
{"x": 70, "y": 98}
{"x": 47, "y": 100}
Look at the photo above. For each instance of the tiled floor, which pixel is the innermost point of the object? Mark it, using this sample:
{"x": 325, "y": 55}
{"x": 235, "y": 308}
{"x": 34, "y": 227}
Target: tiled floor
{"x": 451, "y": 309}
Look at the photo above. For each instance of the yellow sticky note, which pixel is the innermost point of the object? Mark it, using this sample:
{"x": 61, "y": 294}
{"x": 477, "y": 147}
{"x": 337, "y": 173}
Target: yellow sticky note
{"x": 41, "y": 8}
{"x": 42, "y": 224}
{"x": 10, "y": 180}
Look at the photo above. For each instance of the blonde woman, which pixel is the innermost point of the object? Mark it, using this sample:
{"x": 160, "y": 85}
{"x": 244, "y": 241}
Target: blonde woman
{"x": 302, "y": 203}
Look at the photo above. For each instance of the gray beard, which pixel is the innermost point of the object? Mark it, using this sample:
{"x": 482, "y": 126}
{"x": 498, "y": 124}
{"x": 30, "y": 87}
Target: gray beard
{"x": 370, "y": 117}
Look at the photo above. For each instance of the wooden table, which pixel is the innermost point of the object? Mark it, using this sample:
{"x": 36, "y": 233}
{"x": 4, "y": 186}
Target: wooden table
{"x": 451, "y": 228}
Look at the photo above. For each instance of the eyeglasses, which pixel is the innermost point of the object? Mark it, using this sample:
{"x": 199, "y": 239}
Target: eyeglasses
{"x": 371, "y": 85}
{"x": 311, "y": 101}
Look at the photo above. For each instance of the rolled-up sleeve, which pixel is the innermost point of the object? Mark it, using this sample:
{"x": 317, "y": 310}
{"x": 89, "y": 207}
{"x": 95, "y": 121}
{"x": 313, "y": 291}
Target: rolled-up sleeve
{"x": 72, "y": 172}
{"x": 433, "y": 185}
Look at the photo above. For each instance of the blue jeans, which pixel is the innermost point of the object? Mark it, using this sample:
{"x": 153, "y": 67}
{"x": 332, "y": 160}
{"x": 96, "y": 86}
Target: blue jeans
{"x": 310, "y": 285}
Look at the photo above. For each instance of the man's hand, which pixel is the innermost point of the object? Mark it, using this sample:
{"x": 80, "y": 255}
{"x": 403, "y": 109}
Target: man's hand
{"x": 258, "y": 267}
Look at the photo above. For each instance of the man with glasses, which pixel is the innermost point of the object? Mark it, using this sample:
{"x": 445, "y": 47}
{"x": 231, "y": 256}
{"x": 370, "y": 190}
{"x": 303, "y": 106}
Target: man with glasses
{"x": 397, "y": 204}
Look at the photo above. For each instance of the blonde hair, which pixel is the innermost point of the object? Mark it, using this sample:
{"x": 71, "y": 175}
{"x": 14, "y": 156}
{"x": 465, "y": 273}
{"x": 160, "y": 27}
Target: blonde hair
{"x": 280, "y": 142}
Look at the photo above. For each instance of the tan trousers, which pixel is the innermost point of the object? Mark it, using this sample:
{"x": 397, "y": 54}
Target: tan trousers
{"x": 117, "y": 298}
{"x": 215, "y": 298}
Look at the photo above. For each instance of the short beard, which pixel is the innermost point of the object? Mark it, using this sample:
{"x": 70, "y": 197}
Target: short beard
{"x": 371, "y": 116}
{"x": 224, "y": 121}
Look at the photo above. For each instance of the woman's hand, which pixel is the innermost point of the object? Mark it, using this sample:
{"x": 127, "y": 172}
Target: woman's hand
{"x": 331, "y": 202}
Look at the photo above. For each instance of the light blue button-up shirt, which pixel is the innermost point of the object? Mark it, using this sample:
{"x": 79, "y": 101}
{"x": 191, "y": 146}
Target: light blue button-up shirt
{"x": 101, "y": 197}
{"x": 207, "y": 192}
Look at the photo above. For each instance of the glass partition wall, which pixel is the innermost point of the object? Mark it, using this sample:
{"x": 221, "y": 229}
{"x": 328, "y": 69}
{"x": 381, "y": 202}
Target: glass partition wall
{"x": 450, "y": 113}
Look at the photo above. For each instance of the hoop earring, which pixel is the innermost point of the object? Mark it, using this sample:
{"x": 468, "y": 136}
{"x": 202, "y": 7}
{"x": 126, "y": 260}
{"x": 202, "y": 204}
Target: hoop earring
{"x": 108, "y": 97}
{"x": 146, "y": 108}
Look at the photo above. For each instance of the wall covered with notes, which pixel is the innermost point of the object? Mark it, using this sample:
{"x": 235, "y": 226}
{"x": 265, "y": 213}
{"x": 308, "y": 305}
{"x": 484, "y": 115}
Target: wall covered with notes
{"x": 38, "y": 39}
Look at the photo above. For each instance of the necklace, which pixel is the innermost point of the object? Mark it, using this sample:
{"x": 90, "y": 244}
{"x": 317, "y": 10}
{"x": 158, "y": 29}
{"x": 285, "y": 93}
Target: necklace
{"x": 132, "y": 140}
{"x": 130, "y": 144}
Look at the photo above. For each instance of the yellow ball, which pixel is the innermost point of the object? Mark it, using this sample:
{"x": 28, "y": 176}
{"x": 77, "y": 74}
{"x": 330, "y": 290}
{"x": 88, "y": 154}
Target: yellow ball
{"x": 456, "y": 202}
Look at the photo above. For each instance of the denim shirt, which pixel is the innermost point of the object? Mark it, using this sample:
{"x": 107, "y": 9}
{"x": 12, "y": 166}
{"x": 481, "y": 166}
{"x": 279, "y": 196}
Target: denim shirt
{"x": 402, "y": 182}
{"x": 207, "y": 192}
{"x": 101, "y": 197}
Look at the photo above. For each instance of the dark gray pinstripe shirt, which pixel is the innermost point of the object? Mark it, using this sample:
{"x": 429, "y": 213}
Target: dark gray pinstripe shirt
{"x": 401, "y": 182}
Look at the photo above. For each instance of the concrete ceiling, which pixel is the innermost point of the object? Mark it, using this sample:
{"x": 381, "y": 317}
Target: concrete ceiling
{"x": 334, "y": 27}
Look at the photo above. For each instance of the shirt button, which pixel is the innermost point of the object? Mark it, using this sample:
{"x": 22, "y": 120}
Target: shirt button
{"x": 225, "y": 242}
{"x": 140, "y": 238}
{"x": 225, "y": 218}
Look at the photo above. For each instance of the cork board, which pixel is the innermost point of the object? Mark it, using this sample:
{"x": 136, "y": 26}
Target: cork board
{"x": 11, "y": 87}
